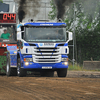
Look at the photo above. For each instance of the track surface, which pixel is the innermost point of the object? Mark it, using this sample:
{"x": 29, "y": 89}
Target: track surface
{"x": 76, "y": 86}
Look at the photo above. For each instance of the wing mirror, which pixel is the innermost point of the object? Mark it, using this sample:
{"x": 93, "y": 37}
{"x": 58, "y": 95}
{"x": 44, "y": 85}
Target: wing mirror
{"x": 19, "y": 34}
{"x": 70, "y": 36}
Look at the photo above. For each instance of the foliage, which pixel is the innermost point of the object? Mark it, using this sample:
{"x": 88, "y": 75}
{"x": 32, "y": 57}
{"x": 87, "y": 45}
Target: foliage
{"x": 75, "y": 67}
{"x": 1, "y": 1}
{"x": 87, "y": 28}
{"x": 2, "y": 64}
{"x": 52, "y": 14}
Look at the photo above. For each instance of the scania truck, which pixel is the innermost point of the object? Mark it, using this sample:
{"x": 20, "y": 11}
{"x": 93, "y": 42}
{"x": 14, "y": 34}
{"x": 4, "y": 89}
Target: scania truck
{"x": 43, "y": 47}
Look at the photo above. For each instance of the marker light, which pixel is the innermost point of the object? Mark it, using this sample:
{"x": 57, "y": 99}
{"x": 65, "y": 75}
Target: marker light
{"x": 24, "y": 59}
{"x": 26, "y": 63}
{"x": 64, "y": 59}
{"x": 28, "y": 59}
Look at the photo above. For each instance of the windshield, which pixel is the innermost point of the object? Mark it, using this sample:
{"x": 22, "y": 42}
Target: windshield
{"x": 46, "y": 34}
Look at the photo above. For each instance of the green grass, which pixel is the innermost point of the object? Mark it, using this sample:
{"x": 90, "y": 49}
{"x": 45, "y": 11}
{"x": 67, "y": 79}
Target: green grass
{"x": 2, "y": 63}
{"x": 79, "y": 68}
{"x": 75, "y": 67}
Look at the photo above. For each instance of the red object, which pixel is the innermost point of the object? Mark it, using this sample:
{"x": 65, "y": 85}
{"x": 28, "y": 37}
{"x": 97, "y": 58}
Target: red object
{"x": 2, "y": 51}
{"x": 12, "y": 44}
{"x": 3, "y": 48}
{"x": 0, "y": 44}
{"x": 7, "y": 18}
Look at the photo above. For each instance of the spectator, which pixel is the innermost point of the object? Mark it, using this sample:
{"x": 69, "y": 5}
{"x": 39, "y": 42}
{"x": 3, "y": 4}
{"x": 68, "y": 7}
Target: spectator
{"x": 5, "y": 35}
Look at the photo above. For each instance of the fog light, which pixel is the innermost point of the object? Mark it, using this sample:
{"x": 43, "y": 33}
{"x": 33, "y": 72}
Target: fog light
{"x": 66, "y": 63}
{"x": 26, "y": 63}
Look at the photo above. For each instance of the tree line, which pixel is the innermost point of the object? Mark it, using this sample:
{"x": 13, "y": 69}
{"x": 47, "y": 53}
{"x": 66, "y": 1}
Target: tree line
{"x": 1, "y": 1}
{"x": 83, "y": 17}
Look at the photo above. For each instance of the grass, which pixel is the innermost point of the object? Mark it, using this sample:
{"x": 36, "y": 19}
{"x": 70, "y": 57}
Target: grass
{"x": 79, "y": 68}
{"x": 75, "y": 67}
{"x": 2, "y": 63}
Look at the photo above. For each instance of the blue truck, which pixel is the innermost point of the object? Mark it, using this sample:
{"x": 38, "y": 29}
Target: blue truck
{"x": 43, "y": 47}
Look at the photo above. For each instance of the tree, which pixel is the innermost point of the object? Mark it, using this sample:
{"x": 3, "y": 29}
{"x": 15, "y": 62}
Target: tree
{"x": 52, "y": 14}
{"x": 1, "y": 1}
{"x": 87, "y": 28}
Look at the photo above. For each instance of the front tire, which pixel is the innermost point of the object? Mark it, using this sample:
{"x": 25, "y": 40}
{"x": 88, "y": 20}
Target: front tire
{"x": 20, "y": 72}
{"x": 10, "y": 71}
{"x": 62, "y": 72}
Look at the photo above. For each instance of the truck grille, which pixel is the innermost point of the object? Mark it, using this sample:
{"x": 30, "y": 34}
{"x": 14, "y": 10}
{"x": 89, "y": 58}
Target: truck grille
{"x": 46, "y": 55}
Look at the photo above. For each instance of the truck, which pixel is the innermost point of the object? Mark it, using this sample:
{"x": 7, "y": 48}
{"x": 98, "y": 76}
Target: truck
{"x": 43, "y": 47}
{"x": 8, "y": 46}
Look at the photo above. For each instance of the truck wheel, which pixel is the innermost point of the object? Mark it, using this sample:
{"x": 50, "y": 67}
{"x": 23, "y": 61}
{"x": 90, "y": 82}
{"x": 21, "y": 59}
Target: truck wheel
{"x": 10, "y": 71}
{"x": 20, "y": 72}
{"x": 62, "y": 72}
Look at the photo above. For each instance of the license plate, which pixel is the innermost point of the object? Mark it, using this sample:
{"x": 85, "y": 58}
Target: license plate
{"x": 44, "y": 67}
{"x": 48, "y": 44}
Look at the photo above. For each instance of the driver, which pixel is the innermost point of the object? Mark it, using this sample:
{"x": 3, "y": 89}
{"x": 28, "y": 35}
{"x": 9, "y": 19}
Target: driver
{"x": 5, "y": 35}
{"x": 57, "y": 35}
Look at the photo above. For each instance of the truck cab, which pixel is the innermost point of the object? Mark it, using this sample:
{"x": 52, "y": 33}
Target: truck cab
{"x": 43, "y": 47}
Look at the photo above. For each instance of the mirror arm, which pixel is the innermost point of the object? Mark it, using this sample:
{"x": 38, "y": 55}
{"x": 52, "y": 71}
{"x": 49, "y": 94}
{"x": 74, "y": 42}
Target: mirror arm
{"x": 67, "y": 41}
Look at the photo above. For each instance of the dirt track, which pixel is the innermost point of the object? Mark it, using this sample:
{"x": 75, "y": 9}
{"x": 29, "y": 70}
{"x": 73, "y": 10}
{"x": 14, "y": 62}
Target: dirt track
{"x": 76, "y": 86}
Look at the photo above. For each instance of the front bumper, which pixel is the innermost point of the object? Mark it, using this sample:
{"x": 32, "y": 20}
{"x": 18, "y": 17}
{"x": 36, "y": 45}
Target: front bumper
{"x": 32, "y": 65}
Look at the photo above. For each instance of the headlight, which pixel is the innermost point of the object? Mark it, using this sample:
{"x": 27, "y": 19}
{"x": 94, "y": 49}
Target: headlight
{"x": 66, "y": 63}
{"x": 28, "y": 59}
{"x": 26, "y": 63}
{"x": 64, "y": 59}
